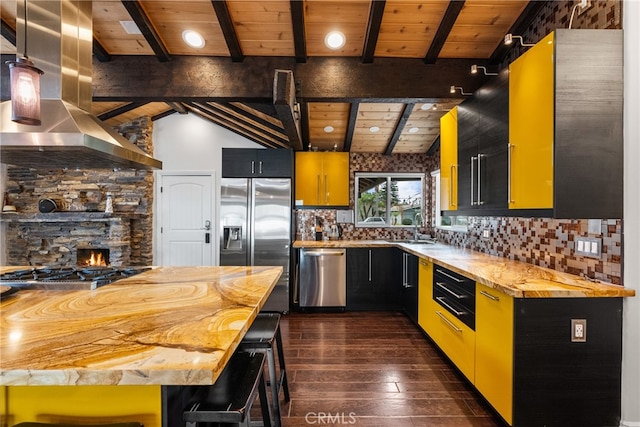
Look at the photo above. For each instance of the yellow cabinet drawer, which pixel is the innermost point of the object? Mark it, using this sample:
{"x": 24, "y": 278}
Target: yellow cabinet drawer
{"x": 456, "y": 339}
{"x": 494, "y": 349}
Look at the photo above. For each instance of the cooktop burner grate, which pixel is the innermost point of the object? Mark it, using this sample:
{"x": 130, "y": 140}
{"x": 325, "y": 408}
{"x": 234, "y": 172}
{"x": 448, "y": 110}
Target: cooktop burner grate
{"x": 84, "y": 277}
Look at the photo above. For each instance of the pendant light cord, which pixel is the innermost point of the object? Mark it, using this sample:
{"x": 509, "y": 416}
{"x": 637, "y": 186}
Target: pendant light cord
{"x": 25, "y": 29}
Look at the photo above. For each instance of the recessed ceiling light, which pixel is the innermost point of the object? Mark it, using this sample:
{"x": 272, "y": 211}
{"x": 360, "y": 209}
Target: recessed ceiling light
{"x": 328, "y": 129}
{"x": 427, "y": 106}
{"x": 414, "y": 130}
{"x": 374, "y": 129}
{"x": 130, "y": 27}
{"x": 193, "y": 39}
{"x": 335, "y": 40}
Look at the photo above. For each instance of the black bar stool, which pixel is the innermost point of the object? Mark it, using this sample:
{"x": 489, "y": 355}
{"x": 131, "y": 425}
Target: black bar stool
{"x": 261, "y": 336}
{"x": 230, "y": 399}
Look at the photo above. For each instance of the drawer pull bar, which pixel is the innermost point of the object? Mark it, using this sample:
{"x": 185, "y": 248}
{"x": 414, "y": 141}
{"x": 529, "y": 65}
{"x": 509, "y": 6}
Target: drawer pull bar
{"x": 449, "y": 322}
{"x": 449, "y": 276}
{"x": 456, "y": 312}
{"x": 488, "y": 295}
{"x": 444, "y": 287}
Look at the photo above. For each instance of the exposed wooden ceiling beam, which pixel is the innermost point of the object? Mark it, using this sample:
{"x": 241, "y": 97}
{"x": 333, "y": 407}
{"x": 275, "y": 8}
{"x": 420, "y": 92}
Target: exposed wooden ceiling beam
{"x": 163, "y": 114}
{"x": 127, "y": 78}
{"x": 449, "y": 18}
{"x": 299, "y": 37}
{"x": 255, "y": 115}
{"x": 8, "y": 32}
{"x": 406, "y": 112}
{"x": 145, "y": 26}
{"x": 287, "y": 108}
{"x": 304, "y": 125}
{"x": 100, "y": 52}
{"x": 525, "y": 19}
{"x": 228, "y": 30}
{"x": 351, "y": 126}
{"x": 177, "y": 107}
{"x": 251, "y": 120}
{"x": 373, "y": 29}
{"x": 120, "y": 110}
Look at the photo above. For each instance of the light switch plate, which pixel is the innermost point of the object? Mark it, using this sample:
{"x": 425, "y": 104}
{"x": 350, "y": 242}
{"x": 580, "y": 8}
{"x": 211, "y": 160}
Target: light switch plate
{"x": 344, "y": 216}
{"x": 588, "y": 246}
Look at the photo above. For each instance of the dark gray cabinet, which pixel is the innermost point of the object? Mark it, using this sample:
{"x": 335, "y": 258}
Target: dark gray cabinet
{"x": 409, "y": 286}
{"x": 483, "y": 138}
{"x": 257, "y": 163}
{"x": 371, "y": 279}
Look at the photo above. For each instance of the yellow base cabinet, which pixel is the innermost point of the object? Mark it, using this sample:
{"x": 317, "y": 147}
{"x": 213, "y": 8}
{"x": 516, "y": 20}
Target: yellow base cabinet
{"x": 84, "y": 404}
{"x": 426, "y": 314}
{"x": 494, "y": 349}
{"x": 322, "y": 178}
{"x": 449, "y": 160}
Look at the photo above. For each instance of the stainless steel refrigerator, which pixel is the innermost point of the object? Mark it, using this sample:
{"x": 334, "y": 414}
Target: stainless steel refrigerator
{"x": 255, "y": 228}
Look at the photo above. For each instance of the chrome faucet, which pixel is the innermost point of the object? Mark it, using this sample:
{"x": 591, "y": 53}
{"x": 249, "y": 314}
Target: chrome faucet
{"x": 417, "y": 220}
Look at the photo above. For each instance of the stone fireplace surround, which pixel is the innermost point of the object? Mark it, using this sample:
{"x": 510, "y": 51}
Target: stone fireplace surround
{"x": 52, "y": 239}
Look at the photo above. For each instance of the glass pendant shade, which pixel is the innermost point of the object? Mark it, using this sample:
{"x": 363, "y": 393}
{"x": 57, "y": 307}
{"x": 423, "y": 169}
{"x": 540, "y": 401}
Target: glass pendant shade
{"x": 25, "y": 92}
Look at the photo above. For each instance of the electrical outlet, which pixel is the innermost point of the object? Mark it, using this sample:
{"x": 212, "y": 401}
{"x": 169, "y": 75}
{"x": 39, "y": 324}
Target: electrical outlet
{"x": 578, "y": 330}
{"x": 584, "y": 6}
{"x": 486, "y": 234}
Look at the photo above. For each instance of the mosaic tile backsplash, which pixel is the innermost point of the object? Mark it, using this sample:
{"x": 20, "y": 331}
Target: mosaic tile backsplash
{"x": 544, "y": 242}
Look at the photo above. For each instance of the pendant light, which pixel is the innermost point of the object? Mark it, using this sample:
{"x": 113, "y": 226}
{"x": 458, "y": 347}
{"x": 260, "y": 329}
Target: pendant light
{"x": 25, "y": 86}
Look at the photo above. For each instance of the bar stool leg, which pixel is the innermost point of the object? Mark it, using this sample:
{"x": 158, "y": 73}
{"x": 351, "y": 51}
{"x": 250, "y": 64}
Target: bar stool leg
{"x": 264, "y": 402}
{"x": 273, "y": 378}
{"x": 284, "y": 381}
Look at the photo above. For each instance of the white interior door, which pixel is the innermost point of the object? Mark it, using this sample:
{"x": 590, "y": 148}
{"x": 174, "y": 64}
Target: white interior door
{"x": 186, "y": 220}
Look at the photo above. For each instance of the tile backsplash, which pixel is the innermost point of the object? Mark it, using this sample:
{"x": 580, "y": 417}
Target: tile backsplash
{"x": 544, "y": 242}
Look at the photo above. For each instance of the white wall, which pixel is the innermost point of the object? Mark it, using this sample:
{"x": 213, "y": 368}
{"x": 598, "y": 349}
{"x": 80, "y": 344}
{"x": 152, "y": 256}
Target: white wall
{"x": 186, "y": 143}
{"x": 631, "y": 224}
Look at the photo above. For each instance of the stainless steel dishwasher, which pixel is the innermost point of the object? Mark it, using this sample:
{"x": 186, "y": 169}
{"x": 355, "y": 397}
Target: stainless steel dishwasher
{"x": 323, "y": 278}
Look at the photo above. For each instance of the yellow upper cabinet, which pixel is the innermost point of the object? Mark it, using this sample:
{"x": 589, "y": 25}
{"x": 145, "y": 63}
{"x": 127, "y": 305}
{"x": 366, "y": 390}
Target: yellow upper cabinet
{"x": 449, "y": 160}
{"x": 531, "y": 127}
{"x": 322, "y": 178}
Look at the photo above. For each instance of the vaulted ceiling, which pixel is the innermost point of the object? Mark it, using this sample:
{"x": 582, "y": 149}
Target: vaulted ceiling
{"x": 384, "y": 91}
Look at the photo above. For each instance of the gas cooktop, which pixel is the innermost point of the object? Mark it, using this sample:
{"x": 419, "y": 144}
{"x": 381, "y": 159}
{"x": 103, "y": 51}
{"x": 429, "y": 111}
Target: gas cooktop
{"x": 67, "y": 277}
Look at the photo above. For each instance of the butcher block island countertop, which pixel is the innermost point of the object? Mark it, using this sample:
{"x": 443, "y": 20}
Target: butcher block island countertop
{"x": 514, "y": 278}
{"x": 166, "y": 326}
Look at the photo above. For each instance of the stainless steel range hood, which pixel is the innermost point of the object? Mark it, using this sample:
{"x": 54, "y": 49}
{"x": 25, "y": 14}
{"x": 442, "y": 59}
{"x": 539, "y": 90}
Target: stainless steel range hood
{"x": 69, "y": 137}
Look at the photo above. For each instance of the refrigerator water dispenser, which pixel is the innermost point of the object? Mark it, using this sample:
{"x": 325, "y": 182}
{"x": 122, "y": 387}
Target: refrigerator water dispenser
{"x": 232, "y": 237}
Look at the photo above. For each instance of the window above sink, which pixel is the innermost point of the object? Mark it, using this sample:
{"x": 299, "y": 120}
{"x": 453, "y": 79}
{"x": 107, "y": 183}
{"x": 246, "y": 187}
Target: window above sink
{"x": 389, "y": 199}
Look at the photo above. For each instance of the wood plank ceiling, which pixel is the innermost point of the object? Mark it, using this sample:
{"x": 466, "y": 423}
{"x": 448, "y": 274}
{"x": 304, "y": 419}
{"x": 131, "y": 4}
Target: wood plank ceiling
{"x": 418, "y": 32}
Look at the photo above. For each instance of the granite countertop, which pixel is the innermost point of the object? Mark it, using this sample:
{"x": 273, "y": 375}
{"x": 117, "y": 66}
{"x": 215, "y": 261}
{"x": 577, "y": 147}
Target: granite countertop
{"x": 515, "y": 278}
{"x": 168, "y": 325}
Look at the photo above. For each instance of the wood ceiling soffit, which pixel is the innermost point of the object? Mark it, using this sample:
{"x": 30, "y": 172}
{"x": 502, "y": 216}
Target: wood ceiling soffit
{"x": 450, "y": 16}
{"x": 203, "y": 112}
{"x": 406, "y": 112}
{"x": 299, "y": 37}
{"x": 240, "y": 124}
{"x": 261, "y": 120}
{"x": 120, "y": 110}
{"x": 373, "y": 30}
{"x": 254, "y": 121}
{"x": 229, "y": 32}
{"x": 145, "y": 26}
{"x": 8, "y": 32}
{"x": 351, "y": 126}
{"x": 178, "y": 107}
{"x": 531, "y": 10}
{"x": 335, "y": 79}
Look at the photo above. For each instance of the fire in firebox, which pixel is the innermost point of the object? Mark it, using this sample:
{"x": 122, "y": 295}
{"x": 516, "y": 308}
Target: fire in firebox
{"x": 93, "y": 257}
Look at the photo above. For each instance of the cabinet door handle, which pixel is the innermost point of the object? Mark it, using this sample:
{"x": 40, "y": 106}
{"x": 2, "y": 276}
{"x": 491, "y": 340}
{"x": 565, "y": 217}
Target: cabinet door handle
{"x": 326, "y": 192}
{"x": 473, "y": 202}
{"x": 260, "y": 167}
{"x": 369, "y": 265}
{"x": 445, "y": 288}
{"x": 253, "y": 167}
{"x": 511, "y": 147}
{"x": 444, "y": 273}
{"x": 480, "y": 156}
{"x": 453, "y": 310}
{"x": 488, "y": 295}
{"x": 318, "y": 190}
{"x": 449, "y": 322}
{"x": 451, "y": 171}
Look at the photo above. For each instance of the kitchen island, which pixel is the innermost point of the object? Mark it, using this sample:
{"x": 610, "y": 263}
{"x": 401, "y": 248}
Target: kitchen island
{"x": 121, "y": 342}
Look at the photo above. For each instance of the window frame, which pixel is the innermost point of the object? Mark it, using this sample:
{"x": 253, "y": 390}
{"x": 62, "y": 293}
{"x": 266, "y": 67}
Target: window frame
{"x": 389, "y": 176}
{"x": 456, "y": 220}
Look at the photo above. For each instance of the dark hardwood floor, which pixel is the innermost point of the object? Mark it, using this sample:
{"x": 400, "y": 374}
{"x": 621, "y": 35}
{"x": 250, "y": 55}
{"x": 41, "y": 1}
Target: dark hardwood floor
{"x": 372, "y": 369}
